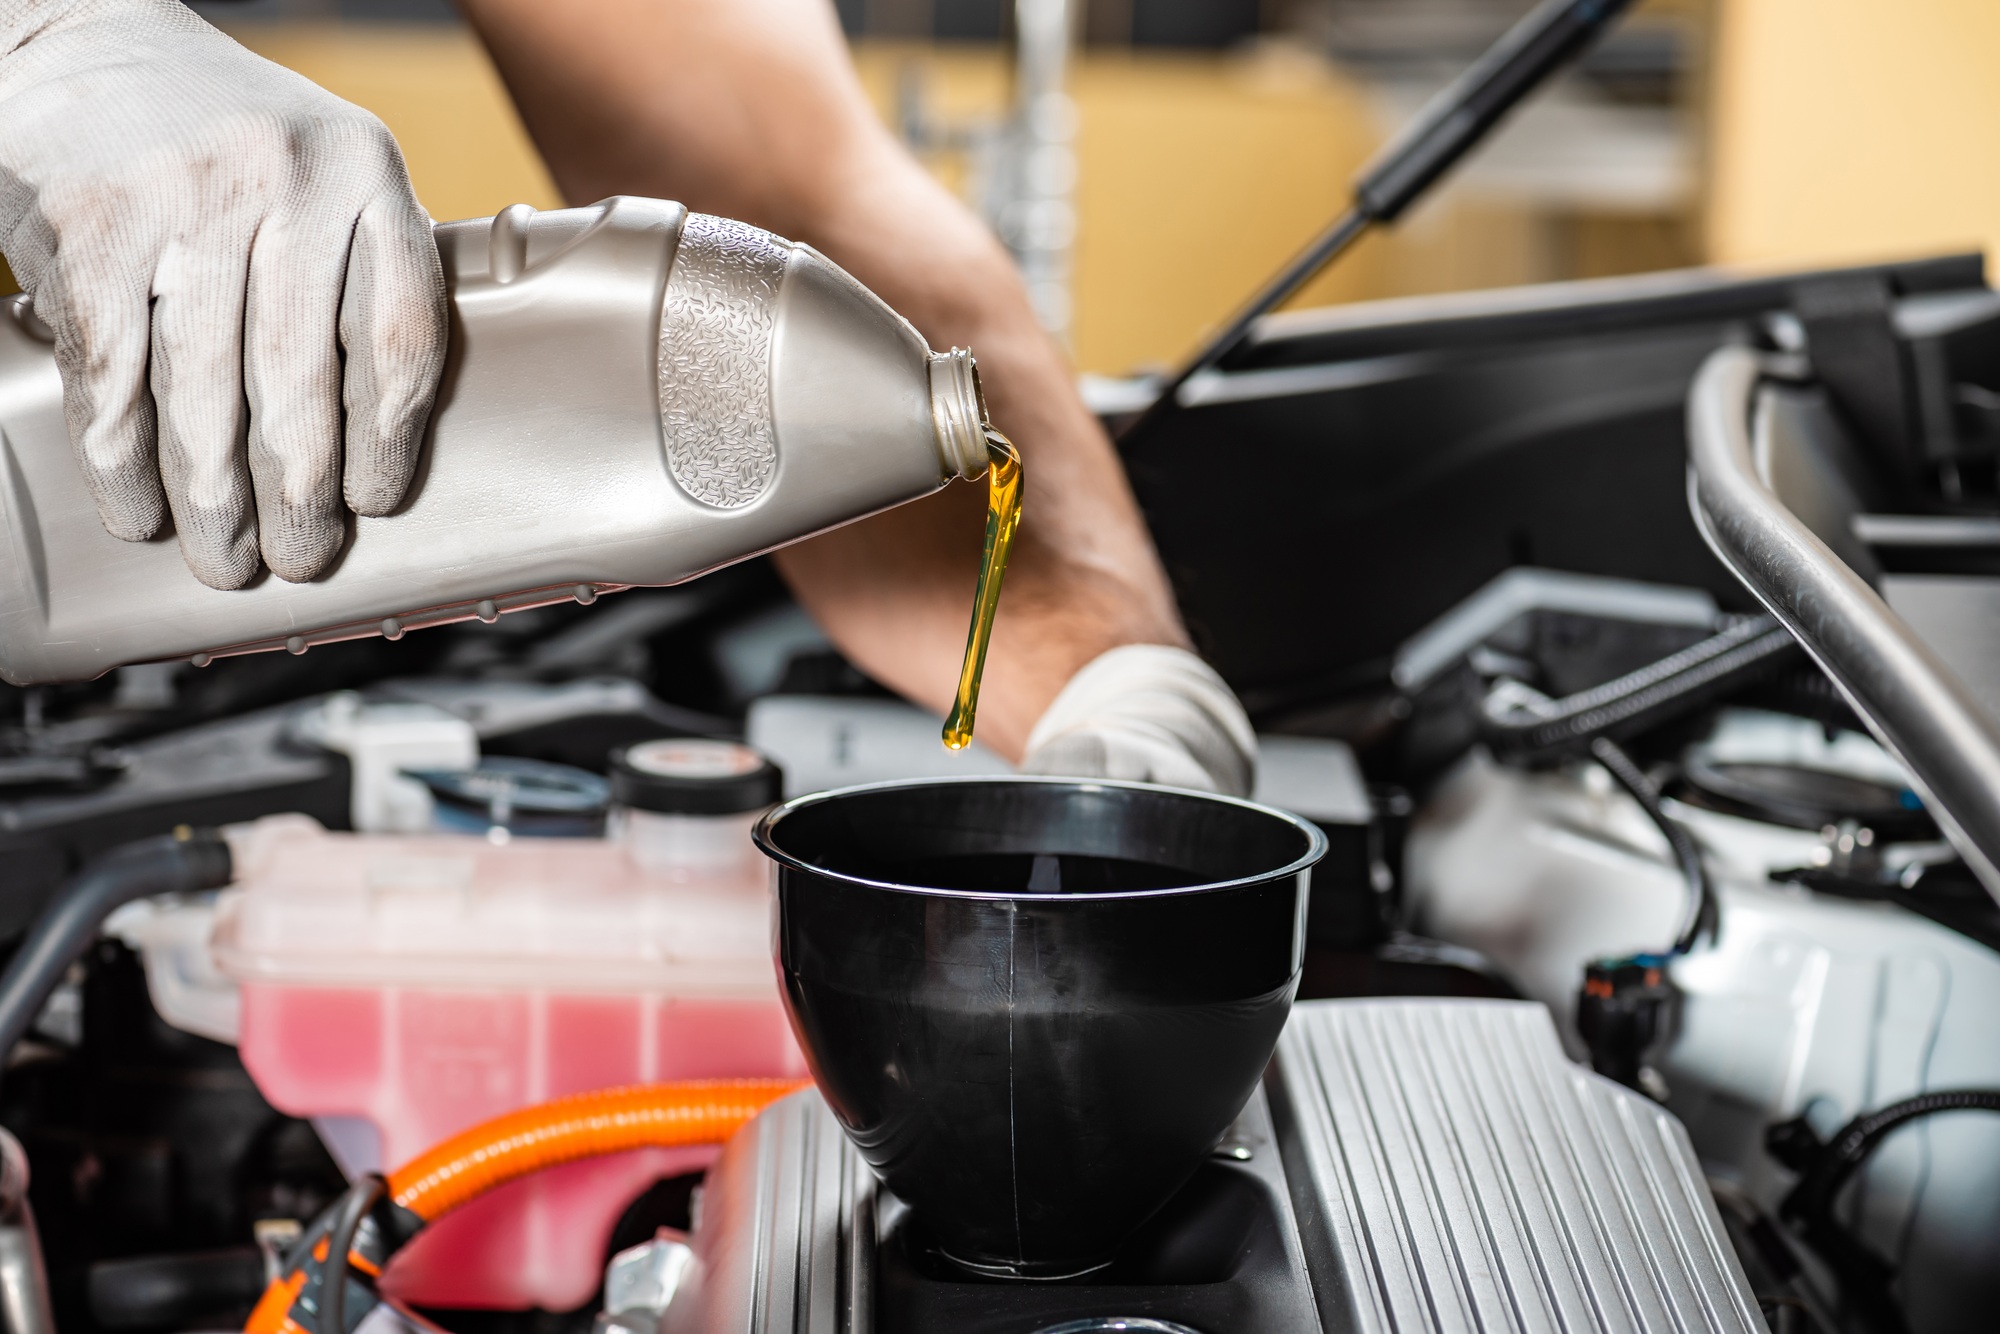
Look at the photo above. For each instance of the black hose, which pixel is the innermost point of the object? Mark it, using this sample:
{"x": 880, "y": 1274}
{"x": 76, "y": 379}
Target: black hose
{"x": 1849, "y": 1149}
{"x": 183, "y": 861}
{"x": 1650, "y": 695}
{"x": 1864, "y": 1276}
{"x": 354, "y": 1206}
{"x": 1701, "y": 910}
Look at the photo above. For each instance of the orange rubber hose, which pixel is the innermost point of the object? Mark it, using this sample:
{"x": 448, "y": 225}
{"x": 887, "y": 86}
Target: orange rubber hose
{"x": 587, "y": 1125}
{"x": 492, "y": 1153}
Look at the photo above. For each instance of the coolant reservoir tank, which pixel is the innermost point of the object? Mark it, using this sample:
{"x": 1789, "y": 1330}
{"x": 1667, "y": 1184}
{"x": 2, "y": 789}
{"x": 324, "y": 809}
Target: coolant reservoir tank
{"x": 401, "y": 988}
{"x": 634, "y": 394}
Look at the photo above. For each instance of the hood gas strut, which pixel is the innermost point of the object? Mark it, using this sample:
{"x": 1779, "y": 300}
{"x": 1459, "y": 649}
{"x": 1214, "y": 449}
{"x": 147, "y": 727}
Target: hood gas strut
{"x": 1545, "y": 40}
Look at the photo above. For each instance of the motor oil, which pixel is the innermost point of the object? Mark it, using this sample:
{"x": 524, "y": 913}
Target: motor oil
{"x": 634, "y": 395}
{"x": 1004, "y": 484}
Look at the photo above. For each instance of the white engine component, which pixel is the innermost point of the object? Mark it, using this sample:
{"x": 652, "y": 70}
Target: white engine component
{"x": 1803, "y": 1004}
{"x": 169, "y": 932}
{"x": 831, "y": 741}
{"x": 381, "y": 741}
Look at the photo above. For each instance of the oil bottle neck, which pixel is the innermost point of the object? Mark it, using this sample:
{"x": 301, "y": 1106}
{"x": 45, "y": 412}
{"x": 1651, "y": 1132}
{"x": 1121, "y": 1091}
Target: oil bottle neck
{"x": 958, "y": 413}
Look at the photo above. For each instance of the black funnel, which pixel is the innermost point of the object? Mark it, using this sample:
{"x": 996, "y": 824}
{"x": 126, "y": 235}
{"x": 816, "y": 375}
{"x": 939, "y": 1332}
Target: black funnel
{"x": 1035, "y": 1005}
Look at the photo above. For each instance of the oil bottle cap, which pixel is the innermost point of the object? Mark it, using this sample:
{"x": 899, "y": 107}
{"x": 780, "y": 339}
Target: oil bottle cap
{"x": 694, "y": 776}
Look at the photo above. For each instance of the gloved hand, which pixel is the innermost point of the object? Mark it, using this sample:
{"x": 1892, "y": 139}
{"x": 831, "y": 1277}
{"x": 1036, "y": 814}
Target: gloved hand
{"x": 205, "y": 232}
{"x": 1148, "y": 714}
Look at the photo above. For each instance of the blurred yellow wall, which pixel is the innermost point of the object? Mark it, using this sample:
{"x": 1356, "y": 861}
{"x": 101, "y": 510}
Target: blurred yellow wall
{"x": 434, "y": 88}
{"x": 1197, "y": 179}
{"x": 1848, "y": 129}
{"x": 1198, "y": 173}
{"x": 1197, "y": 176}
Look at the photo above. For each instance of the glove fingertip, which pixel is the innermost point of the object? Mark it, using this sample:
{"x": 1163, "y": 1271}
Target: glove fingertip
{"x": 378, "y": 473}
{"x": 301, "y": 543}
{"x": 394, "y": 324}
{"x": 378, "y": 504}
{"x": 226, "y": 565}
{"x": 133, "y": 515}
{"x": 116, "y": 448}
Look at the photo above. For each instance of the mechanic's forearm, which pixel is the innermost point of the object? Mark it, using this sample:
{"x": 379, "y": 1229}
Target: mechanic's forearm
{"x": 1085, "y": 578}
{"x": 750, "y": 108}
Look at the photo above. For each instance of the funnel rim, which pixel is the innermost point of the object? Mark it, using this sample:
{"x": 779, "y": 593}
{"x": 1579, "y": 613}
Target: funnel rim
{"x": 1317, "y": 843}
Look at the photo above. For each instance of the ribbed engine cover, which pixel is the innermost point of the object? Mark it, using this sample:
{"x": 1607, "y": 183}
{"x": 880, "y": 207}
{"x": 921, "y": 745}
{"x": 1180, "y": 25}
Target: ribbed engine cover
{"x": 1412, "y": 1165}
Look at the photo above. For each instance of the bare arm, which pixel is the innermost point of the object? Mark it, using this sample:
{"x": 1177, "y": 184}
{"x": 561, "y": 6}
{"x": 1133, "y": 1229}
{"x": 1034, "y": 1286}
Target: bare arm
{"x": 751, "y": 109}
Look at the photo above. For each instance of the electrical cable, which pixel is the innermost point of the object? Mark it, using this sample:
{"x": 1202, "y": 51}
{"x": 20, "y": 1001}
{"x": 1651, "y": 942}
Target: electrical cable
{"x": 1850, "y": 1148}
{"x": 1748, "y": 649}
{"x": 1824, "y": 1170}
{"x": 1700, "y": 917}
{"x": 1624, "y": 1006}
{"x": 354, "y": 1206}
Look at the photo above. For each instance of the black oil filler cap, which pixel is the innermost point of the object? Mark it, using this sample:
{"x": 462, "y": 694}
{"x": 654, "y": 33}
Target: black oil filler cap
{"x": 694, "y": 776}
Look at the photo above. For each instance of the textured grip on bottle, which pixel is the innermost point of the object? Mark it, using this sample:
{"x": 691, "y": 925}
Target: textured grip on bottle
{"x": 716, "y": 326}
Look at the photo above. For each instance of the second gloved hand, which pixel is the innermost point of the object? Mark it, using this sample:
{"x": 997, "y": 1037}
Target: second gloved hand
{"x": 247, "y": 305}
{"x": 1151, "y": 714}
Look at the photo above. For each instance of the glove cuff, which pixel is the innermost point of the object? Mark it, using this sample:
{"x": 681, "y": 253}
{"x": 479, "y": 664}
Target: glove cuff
{"x": 1149, "y": 713}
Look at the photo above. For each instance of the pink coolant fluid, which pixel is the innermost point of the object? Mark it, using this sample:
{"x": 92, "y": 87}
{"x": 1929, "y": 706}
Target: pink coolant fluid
{"x": 399, "y": 989}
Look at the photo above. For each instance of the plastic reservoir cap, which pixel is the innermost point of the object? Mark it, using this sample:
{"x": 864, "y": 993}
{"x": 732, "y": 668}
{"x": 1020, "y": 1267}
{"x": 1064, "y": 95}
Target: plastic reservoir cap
{"x": 522, "y": 796}
{"x": 694, "y": 776}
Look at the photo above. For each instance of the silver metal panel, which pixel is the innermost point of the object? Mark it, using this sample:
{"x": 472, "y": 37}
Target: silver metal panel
{"x": 785, "y": 1240}
{"x": 773, "y": 1234}
{"x": 1453, "y": 1171}
{"x": 1446, "y": 1167}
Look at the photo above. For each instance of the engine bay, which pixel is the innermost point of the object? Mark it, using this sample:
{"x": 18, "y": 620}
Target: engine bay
{"x": 1560, "y": 754}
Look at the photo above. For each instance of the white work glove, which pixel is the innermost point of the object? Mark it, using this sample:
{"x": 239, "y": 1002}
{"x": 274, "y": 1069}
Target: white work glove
{"x": 206, "y": 233}
{"x": 1148, "y": 714}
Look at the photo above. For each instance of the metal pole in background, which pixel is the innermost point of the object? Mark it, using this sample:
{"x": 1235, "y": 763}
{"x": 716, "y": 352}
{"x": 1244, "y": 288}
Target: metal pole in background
{"x": 1031, "y": 202}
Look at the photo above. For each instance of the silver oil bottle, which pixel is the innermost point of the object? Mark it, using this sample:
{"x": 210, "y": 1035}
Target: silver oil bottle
{"x": 635, "y": 395}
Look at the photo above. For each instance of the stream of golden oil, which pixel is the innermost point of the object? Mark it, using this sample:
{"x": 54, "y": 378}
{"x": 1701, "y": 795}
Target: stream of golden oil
{"x": 1003, "y": 516}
